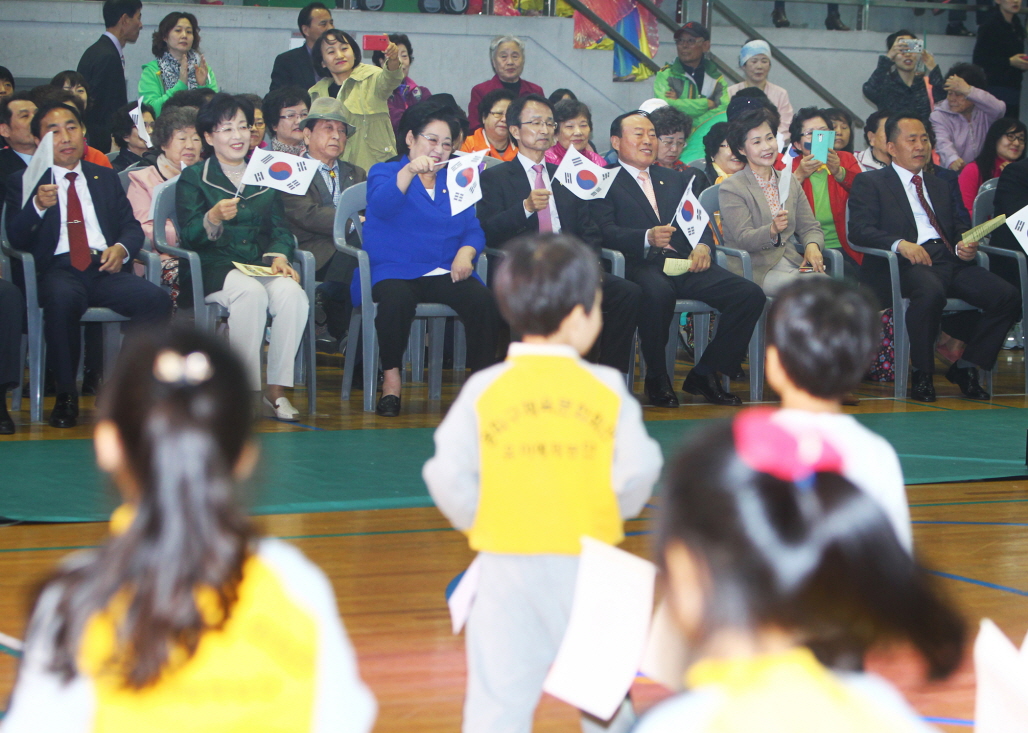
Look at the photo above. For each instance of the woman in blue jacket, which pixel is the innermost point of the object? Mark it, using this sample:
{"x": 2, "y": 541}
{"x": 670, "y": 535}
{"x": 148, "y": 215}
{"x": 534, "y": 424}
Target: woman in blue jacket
{"x": 420, "y": 253}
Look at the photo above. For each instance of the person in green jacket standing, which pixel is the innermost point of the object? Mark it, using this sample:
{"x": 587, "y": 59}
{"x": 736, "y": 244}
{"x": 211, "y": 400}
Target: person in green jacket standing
{"x": 226, "y": 222}
{"x": 693, "y": 85}
{"x": 178, "y": 64}
{"x": 363, "y": 90}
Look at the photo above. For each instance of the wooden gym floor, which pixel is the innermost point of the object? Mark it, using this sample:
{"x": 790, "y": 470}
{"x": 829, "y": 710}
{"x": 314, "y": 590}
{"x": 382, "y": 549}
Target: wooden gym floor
{"x": 390, "y": 567}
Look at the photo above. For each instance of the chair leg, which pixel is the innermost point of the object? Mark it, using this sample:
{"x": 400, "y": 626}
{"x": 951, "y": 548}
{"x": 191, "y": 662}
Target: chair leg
{"x": 756, "y": 358}
{"x": 370, "y": 361}
{"x": 416, "y": 350}
{"x": 112, "y": 345}
{"x": 20, "y": 388}
{"x": 901, "y": 350}
{"x": 311, "y": 358}
{"x": 460, "y": 346}
{"x": 437, "y": 335}
{"x": 671, "y": 348}
{"x": 630, "y": 376}
{"x": 353, "y": 333}
{"x": 37, "y": 369}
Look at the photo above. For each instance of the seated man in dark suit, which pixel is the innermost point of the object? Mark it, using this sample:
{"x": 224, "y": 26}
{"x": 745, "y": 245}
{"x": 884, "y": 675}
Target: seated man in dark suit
{"x": 82, "y": 233}
{"x": 294, "y": 68}
{"x": 909, "y": 211}
{"x": 15, "y": 126}
{"x": 633, "y": 219}
{"x": 518, "y": 198}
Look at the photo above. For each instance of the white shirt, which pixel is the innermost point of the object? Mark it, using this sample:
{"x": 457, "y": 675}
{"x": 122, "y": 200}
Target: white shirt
{"x": 117, "y": 45}
{"x": 635, "y": 177}
{"x": 24, "y": 157}
{"x": 925, "y": 230}
{"x": 527, "y": 164}
{"x": 94, "y": 234}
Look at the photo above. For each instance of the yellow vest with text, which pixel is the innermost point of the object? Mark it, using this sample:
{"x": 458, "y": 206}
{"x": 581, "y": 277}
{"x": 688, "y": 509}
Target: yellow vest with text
{"x": 546, "y": 429}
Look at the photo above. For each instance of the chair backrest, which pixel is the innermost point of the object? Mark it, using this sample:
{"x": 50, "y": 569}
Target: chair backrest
{"x": 123, "y": 176}
{"x": 351, "y": 202}
{"x": 611, "y": 156}
{"x": 698, "y": 163}
{"x": 709, "y": 200}
{"x": 983, "y": 202}
{"x": 163, "y": 210}
{"x": 113, "y": 154}
{"x": 490, "y": 161}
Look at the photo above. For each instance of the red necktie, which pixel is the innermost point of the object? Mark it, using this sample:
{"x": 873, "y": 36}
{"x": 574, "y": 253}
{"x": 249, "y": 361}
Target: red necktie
{"x": 78, "y": 242}
{"x": 545, "y": 223}
{"x": 931, "y": 214}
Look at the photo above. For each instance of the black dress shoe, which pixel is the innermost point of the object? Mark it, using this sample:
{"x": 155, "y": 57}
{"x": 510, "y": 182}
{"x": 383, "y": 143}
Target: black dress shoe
{"x": 834, "y": 23}
{"x": 735, "y": 375}
{"x": 388, "y": 406}
{"x": 921, "y": 387}
{"x": 967, "y": 380}
{"x": 6, "y": 423}
{"x": 66, "y": 411}
{"x": 90, "y": 382}
{"x": 779, "y": 19}
{"x": 958, "y": 29}
{"x": 709, "y": 385}
{"x": 659, "y": 391}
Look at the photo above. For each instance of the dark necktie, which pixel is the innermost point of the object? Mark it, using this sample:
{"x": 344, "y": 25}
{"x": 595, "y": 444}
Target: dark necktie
{"x": 545, "y": 223}
{"x": 931, "y": 214}
{"x": 78, "y": 242}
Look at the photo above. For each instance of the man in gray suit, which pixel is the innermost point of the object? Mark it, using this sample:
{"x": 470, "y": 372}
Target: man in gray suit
{"x": 312, "y": 215}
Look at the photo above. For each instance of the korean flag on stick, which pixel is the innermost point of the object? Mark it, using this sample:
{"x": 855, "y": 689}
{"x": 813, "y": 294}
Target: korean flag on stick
{"x": 691, "y": 217}
{"x": 462, "y": 181}
{"x": 41, "y": 162}
{"x": 137, "y": 117}
{"x": 282, "y": 171}
{"x": 1018, "y": 224}
{"x": 582, "y": 177}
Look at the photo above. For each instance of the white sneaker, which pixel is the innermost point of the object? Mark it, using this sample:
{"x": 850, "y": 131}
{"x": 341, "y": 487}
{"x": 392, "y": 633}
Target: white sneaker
{"x": 282, "y": 409}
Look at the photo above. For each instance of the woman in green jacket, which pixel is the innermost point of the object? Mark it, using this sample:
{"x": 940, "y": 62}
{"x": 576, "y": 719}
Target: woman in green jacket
{"x": 226, "y": 223}
{"x": 179, "y": 64}
{"x": 363, "y": 90}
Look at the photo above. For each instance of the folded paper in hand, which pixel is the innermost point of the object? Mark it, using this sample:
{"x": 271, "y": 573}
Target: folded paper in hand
{"x": 257, "y": 270}
{"x": 975, "y": 234}
{"x": 676, "y": 266}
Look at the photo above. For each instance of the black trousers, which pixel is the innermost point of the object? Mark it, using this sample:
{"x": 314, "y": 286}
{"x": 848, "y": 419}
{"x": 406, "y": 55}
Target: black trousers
{"x": 65, "y": 293}
{"x": 621, "y": 302}
{"x": 12, "y": 319}
{"x": 472, "y": 300}
{"x": 950, "y": 277}
{"x": 740, "y": 301}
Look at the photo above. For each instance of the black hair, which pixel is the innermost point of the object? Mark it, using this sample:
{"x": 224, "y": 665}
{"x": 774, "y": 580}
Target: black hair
{"x": 820, "y": 560}
{"x": 75, "y": 79}
{"x": 986, "y": 159}
{"x": 826, "y": 333}
{"x": 560, "y": 95}
{"x": 617, "y": 125}
{"x": 804, "y": 115}
{"x": 189, "y": 98}
{"x": 159, "y": 45}
{"x": 182, "y": 440}
{"x": 255, "y": 101}
{"x": 424, "y": 117}
{"x": 279, "y": 99}
{"x": 716, "y": 135}
{"x": 171, "y": 121}
{"x": 892, "y": 125}
{"x": 400, "y": 39}
{"x": 542, "y": 278}
{"x": 740, "y": 127}
{"x": 871, "y": 124}
{"x": 339, "y": 36}
{"x": 6, "y": 75}
{"x": 5, "y": 104}
{"x": 891, "y": 38}
{"x": 436, "y": 102}
{"x": 970, "y": 73}
{"x": 515, "y": 108}
{"x": 747, "y": 99}
{"x": 489, "y": 100}
{"x": 114, "y": 9}
{"x": 220, "y": 108}
{"x": 304, "y": 18}
{"x": 49, "y": 104}
{"x": 122, "y": 124}
{"x": 832, "y": 115}
{"x": 570, "y": 109}
{"x": 668, "y": 121}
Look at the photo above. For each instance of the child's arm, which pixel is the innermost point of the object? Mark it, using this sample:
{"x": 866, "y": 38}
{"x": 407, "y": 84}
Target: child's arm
{"x": 637, "y": 456}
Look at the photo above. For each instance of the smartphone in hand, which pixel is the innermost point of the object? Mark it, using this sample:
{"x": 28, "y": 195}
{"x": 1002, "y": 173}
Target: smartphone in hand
{"x": 375, "y": 42}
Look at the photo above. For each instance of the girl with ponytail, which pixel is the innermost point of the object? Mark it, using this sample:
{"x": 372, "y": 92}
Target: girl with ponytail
{"x": 184, "y": 620}
{"x": 769, "y": 555}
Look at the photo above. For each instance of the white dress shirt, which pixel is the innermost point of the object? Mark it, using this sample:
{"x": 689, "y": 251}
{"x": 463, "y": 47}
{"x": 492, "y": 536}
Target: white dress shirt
{"x": 527, "y": 164}
{"x": 94, "y": 234}
{"x": 634, "y": 172}
{"x": 925, "y": 230}
{"x": 117, "y": 45}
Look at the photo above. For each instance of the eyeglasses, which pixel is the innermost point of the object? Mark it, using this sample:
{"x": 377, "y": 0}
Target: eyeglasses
{"x": 672, "y": 142}
{"x": 294, "y": 116}
{"x": 435, "y": 142}
{"x": 259, "y": 123}
{"x": 498, "y": 115}
{"x": 810, "y": 133}
{"x": 224, "y": 130}
{"x": 548, "y": 124}
{"x": 1015, "y": 137}
{"x": 688, "y": 41}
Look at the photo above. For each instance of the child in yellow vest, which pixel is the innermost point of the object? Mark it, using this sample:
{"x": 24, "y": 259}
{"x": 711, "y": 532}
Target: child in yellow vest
{"x": 534, "y": 453}
{"x": 770, "y": 553}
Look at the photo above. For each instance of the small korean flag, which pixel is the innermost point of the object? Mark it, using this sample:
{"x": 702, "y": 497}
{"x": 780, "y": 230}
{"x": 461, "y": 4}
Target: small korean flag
{"x": 281, "y": 171}
{"x": 1018, "y": 224}
{"x": 691, "y": 217}
{"x": 137, "y": 117}
{"x": 582, "y": 177}
{"x": 462, "y": 181}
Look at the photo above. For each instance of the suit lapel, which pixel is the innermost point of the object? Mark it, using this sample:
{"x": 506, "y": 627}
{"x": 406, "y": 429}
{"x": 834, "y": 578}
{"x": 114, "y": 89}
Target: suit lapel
{"x": 96, "y": 192}
{"x": 938, "y": 192}
{"x": 895, "y": 186}
{"x": 664, "y": 190}
{"x": 627, "y": 181}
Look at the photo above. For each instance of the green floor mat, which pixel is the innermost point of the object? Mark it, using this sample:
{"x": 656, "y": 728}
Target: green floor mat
{"x": 320, "y": 471}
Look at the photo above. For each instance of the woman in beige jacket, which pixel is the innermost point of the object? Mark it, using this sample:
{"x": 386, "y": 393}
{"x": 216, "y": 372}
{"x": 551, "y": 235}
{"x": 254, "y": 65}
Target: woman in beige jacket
{"x": 755, "y": 221}
{"x": 363, "y": 90}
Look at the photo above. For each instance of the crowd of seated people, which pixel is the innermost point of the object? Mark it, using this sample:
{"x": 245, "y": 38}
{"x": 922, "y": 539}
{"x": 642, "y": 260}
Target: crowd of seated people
{"x": 699, "y": 132}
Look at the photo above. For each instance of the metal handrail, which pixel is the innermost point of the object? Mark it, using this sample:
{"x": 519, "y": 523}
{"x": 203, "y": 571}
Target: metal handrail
{"x": 615, "y": 36}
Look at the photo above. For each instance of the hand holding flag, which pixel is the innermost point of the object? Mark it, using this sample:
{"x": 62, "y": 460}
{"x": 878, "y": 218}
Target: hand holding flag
{"x": 137, "y": 116}
{"x": 281, "y": 171}
{"x": 582, "y": 177}
{"x": 42, "y": 160}
{"x": 691, "y": 217}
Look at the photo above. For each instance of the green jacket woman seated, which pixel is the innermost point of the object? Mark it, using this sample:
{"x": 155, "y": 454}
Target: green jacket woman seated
{"x": 226, "y": 223}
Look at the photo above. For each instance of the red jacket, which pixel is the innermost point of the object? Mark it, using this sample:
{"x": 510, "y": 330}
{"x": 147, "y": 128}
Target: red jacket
{"x": 838, "y": 194}
{"x": 480, "y": 90}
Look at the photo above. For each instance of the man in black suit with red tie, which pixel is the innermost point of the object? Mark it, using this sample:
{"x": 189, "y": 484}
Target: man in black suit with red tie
{"x": 903, "y": 209}
{"x": 103, "y": 65}
{"x": 634, "y": 219}
{"x": 295, "y": 68}
{"x": 518, "y": 198}
{"x": 82, "y": 234}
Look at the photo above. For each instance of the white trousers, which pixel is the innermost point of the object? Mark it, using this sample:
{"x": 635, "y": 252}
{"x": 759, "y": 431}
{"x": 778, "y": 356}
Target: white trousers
{"x": 249, "y": 301}
{"x": 514, "y": 630}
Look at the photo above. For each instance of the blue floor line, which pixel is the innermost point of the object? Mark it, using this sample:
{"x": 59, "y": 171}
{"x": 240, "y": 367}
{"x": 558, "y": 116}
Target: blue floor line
{"x": 983, "y": 583}
{"x": 947, "y": 721}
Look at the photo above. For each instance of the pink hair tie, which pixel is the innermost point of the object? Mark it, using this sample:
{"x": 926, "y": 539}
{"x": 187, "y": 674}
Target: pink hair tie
{"x": 793, "y": 455}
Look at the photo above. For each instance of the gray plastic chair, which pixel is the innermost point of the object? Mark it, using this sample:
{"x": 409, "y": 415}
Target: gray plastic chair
{"x": 206, "y": 315}
{"x": 983, "y": 205}
{"x": 362, "y": 321}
